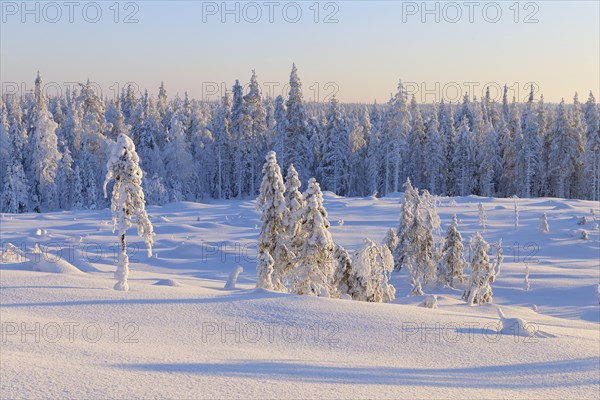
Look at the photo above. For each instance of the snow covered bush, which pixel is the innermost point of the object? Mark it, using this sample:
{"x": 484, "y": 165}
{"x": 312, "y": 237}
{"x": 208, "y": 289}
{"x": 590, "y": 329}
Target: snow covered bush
{"x": 479, "y": 290}
{"x": 271, "y": 203}
{"x": 452, "y": 263}
{"x": 127, "y": 201}
{"x": 315, "y": 264}
{"x": 370, "y": 269}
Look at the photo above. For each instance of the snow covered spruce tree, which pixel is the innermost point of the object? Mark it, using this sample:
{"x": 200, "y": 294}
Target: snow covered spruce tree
{"x": 420, "y": 255}
{"x": 479, "y": 290}
{"x": 592, "y": 149}
{"x": 343, "y": 281}
{"x": 296, "y": 142}
{"x": 44, "y": 154}
{"x": 315, "y": 265}
{"x": 127, "y": 201}
{"x": 271, "y": 202}
{"x": 333, "y": 168}
{"x": 406, "y": 217}
{"x": 453, "y": 262}
{"x": 370, "y": 269}
{"x": 293, "y": 209}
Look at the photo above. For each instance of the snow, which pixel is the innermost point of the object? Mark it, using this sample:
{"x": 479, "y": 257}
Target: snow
{"x": 167, "y": 282}
{"x": 201, "y": 341}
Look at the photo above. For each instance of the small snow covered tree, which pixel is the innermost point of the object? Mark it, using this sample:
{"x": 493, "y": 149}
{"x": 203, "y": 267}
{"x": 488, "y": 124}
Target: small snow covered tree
{"x": 371, "y": 267}
{"x": 315, "y": 264}
{"x": 482, "y": 216}
{"x": 544, "y": 228}
{"x": 265, "y": 270}
{"x": 271, "y": 202}
{"x": 342, "y": 278}
{"x": 127, "y": 201}
{"x": 453, "y": 261}
{"x": 420, "y": 254}
{"x": 293, "y": 205}
{"x": 391, "y": 240}
{"x": 406, "y": 218}
{"x": 479, "y": 290}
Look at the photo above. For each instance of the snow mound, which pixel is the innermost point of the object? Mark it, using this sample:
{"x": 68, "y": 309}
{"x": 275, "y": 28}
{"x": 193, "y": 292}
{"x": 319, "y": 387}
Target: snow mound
{"x": 168, "y": 282}
{"x": 54, "y": 265}
{"x": 520, "y": 327}
{"x": 11, "y": 254}
{"x": 36, "y": 260}
{"x": 429, "y": 302}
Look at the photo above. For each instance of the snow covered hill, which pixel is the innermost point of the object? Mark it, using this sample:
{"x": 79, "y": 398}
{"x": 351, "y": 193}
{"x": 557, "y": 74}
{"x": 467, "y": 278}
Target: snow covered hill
{"x": 70, "y": 335}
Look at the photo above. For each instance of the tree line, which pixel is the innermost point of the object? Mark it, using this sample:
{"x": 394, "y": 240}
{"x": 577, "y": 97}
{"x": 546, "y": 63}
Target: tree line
{"x": 53, "y": 151}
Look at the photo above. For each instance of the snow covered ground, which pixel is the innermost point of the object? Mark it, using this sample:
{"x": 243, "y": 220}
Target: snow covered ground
{"x": 66, "y": 333}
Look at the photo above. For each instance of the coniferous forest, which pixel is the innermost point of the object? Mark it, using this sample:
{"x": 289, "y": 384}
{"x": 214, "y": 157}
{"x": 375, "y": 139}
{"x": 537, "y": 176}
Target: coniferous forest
{"x": 53, "y": 150}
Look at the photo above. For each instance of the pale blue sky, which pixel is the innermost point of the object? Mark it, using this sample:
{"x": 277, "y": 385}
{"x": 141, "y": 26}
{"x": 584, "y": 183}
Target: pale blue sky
{"x": 364, "y": 54}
